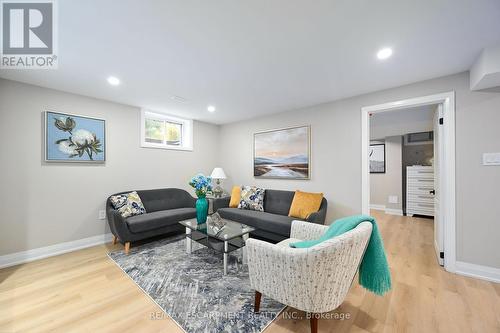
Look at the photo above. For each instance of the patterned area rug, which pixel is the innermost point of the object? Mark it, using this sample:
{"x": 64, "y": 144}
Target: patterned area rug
{"x": 192, "y": 289}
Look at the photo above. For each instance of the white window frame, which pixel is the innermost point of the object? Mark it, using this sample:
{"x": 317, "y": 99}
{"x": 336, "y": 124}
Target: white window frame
{"x": 186, "y": 135}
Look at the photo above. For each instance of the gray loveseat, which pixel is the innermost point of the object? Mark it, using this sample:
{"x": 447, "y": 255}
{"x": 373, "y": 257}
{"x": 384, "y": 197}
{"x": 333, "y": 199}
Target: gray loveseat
{"x": 164, "y": 209}
{"x": 273, "y": 223}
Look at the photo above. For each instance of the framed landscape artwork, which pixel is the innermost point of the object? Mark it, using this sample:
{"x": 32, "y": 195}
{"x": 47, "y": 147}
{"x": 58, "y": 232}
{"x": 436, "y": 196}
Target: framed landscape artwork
{"x": 283, "y": 153}
{"x": 71, "y": 138}
{"x": 377, "y": 158}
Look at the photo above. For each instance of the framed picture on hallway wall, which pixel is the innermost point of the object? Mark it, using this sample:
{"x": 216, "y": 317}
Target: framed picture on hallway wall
{"x": 377, "y": 158}
{"x": 283, "y": 153}
{"x": 72, "y": 138}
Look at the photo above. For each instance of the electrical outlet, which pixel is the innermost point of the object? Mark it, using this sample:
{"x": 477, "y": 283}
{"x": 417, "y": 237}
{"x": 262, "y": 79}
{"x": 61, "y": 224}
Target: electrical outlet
{"x": 102, "y": 215}
{"x": 393, "y": 199}
{"x": 491, "y": 159}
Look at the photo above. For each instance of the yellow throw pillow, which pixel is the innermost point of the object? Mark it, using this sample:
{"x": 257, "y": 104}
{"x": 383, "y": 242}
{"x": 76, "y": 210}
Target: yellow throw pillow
{"x": 304, "y": 204}
{"x": 235, "y": 197}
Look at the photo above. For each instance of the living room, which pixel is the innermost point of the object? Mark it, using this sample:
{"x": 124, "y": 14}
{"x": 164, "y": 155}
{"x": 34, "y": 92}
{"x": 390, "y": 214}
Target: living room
{"x": 158, "y": 106}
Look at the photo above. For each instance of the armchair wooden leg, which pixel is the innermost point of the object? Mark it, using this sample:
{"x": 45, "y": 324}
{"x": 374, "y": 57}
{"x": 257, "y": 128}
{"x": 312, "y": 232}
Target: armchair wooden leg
{"x": 258, "y": 296}
{"x": 127, "y": 247}
{"x": 115, "y": 239}
{"x": 314, "y": 323}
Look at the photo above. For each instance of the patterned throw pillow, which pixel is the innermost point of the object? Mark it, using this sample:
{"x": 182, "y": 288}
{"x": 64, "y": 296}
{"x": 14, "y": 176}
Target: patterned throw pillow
{"x": 128, "y": 204}
{"x": 252, "y": 198}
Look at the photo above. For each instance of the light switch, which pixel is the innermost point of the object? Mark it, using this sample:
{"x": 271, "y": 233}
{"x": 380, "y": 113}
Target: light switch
{"x": 491, "y": 159}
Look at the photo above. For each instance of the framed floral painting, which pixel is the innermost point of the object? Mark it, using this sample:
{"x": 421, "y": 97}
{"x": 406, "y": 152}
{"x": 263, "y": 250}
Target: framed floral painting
{"x": 72, "y": 138}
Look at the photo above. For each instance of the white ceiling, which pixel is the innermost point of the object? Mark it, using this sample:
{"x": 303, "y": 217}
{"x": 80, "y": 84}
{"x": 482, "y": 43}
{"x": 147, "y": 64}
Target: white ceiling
{"x": 251, "y": 58}
{"x": 401, "y": 122}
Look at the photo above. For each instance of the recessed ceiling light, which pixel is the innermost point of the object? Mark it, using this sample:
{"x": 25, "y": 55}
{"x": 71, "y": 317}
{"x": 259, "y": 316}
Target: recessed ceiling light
{"x": 384, "y": 53}
{"x": 114, "y": 81}
{"x": 211, "y": 108}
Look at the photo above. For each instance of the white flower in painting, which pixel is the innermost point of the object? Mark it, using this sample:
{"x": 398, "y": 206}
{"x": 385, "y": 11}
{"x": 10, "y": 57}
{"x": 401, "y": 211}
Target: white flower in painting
{"x": 66, "y": 147}
{"x": 82, "y": 137}
{"x": 80, "y": 142}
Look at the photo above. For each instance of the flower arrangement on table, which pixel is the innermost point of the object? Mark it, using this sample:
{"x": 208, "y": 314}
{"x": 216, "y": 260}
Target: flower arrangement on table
{"x": 202, "y": 186}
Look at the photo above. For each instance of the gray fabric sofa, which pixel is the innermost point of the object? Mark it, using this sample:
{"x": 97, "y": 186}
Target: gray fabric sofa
{"x": 273, "y": 223}
{"x": 164, "y": 209}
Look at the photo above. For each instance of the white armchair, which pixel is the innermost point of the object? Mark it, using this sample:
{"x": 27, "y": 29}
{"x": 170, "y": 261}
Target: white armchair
{"x": 315, "y": 279}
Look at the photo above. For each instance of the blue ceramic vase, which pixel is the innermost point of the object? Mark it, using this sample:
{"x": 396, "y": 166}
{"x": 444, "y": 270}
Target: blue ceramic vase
{"x": 201, "y": 210}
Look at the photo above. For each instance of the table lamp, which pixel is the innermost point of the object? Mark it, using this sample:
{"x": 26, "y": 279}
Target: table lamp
{"x": 218, "y": 174}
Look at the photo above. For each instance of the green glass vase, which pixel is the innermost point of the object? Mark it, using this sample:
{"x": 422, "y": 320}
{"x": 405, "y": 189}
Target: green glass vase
{"x": 201, "y": 210}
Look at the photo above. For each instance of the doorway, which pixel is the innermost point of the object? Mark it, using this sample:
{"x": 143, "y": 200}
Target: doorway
{"x": 444, "y": 162}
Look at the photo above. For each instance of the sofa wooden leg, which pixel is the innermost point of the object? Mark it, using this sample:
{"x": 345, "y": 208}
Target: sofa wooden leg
{"x": 115, "y": 239}
{"x": 127, "y": 247}
{"x": 314, "y": 323}
{"x": 258, "y": 296}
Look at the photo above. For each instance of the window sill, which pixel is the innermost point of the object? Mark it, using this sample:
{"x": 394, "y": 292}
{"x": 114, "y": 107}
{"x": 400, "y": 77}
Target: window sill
{"x": 147, "y": 145}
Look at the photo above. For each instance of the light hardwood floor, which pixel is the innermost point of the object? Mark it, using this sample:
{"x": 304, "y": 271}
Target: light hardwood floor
{"x": 84, "y": 291}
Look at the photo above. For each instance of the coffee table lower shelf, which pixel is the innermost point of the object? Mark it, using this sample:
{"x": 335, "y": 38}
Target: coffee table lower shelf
{"x": 225, "y": 247}
{"x": 218, "y": 245}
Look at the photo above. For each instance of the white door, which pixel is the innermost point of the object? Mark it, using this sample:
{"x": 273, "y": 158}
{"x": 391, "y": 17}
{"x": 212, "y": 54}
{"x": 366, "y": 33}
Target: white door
{"x": 438, "y": 218}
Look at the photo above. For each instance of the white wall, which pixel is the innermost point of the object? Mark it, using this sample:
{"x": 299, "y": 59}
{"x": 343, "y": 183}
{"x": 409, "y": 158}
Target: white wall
{"x": 400, "y": 122}
{"x": 382, "y": 185}
{"x": 336, "y": 157}
{"x": 332, "y": 141}
{"x": 485, "y": 73}
{"x": 44, "y": 204}
{"x": 48, "y": 204}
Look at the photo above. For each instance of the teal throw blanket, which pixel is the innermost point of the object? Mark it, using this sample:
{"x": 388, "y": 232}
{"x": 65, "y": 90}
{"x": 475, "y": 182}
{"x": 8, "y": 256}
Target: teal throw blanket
{"x": 374, "y": 273}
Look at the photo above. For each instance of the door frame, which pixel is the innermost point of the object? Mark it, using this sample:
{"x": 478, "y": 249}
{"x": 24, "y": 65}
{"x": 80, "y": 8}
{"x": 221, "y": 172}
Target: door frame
{"x": 447, "y": 163}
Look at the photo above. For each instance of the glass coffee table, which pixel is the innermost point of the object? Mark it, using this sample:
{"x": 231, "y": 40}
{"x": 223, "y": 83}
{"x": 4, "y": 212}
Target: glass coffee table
{"x": 222, "y": 235}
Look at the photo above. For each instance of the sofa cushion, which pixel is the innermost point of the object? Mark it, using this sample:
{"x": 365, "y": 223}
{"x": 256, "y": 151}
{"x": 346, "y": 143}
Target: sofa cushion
{"x": 166, "y": 198}
{"x": 278, "y": 202}
{"x": 274, "y": 223}
{"x": 304, "y": 204}
{"x": 155, "y": 220}
{"x": 235, "y": 197}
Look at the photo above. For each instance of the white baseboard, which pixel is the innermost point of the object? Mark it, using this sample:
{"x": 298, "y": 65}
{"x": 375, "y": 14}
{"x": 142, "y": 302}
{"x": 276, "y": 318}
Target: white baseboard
{"x": 52, "y": 250}
{"x": 438, "y": 253}
{"x": 478, "y": 271}
{"x": 391, "y": 211}
{"x": 377, "y": 207}
{"x": 388, "y": 211}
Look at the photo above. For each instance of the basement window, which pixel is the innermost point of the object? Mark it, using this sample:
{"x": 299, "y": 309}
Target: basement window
{"x": 159, "y": 130}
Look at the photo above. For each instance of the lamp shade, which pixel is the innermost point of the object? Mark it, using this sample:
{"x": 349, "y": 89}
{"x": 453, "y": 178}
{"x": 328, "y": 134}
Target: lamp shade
{"x": 218, "y": 173}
